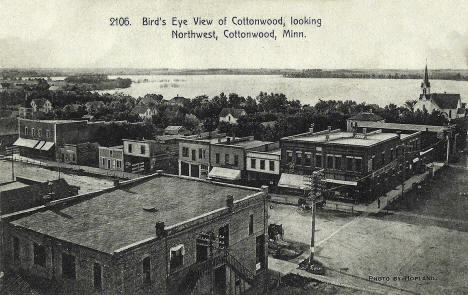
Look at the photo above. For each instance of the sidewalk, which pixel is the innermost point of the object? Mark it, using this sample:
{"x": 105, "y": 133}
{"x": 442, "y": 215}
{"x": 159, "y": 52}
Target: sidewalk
{"x": 78, "y": 168}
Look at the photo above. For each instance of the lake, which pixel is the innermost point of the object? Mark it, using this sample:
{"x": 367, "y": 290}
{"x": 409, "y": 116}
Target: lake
{"x": 306, "y": 90}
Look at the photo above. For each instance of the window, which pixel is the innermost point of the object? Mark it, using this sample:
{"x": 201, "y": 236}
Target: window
{"x": 272, "y": 165}
{"x": 110, "y": 153}
{"x": 130, "y": 148}
{"x": 226, "y": 159}
{"x": 39, "y": 132}
{"x": 185, "y": 151}
{"x": 68, "y": 266}
{"x": 16, "y": 249}
{"x": 318, "y": 160}
{"x": 146, "y": 270}
{"x": 142, "y": 149}
{"x": 119, "y": 164}
{"x": 236, "y": 160}
{"x": 39, "y": 255}
{"x": 260, "y": 252}
{"x": 26, "y": 130}
{"x": 338, "y": 162}
{"x": 217, "y": 158}
{"x": 308, "y": 159}
{"x": 349, "y": 164}
{"x": 262, "y": 164}
{"x": 47, "y": 133}
{"x": 201, "y": 252}
{"x": 358, "y": 163}
{"x": 194, "y": 155}
{"x": 383, "y": 159}
{"x": 200, "y": 153}
{"x": 204, "y": 154}
{"x": 97, "y": 274}
{"x": 330, "y": 162}
{"x": 33, "y": 132}
{"x": 298, "y": 158}
{"x": 253, "y": 163}
{"x": 289, "y": 156}
{"x": 251, "y": 224}
{"x": 177, "y": 256}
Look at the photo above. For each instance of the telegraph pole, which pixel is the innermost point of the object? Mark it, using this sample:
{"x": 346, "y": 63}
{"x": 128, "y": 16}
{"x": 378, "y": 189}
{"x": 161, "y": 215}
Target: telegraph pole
{"x": 314, "y": 194}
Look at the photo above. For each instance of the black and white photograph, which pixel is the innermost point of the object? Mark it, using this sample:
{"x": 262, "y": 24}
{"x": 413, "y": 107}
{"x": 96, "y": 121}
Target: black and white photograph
{"x": 212, "y": 147}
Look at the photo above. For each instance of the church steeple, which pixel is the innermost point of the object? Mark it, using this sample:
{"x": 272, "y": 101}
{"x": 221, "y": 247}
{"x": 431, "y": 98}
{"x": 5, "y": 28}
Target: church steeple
{"x": 426, "y": 85}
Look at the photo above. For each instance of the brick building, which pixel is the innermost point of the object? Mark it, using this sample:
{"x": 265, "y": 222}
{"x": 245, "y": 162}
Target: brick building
{"x": 141, "y": 155}
{"x": 152, "y": 240}
{"x": 360, "y": 163}
{"x": 85, "y": 153}
{"x": 263, "y": 167}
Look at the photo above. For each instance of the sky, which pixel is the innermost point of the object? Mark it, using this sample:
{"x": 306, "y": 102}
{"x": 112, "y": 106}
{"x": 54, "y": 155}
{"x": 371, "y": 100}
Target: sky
{"x": 399, "y": 34}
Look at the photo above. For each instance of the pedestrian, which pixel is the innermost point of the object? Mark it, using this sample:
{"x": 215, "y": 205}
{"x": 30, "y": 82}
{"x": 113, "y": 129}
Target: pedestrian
{"x": 378, "y": 203}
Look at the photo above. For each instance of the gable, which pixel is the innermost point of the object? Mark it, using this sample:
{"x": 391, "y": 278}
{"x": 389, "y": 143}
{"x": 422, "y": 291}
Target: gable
{"x": 445, "y": 100}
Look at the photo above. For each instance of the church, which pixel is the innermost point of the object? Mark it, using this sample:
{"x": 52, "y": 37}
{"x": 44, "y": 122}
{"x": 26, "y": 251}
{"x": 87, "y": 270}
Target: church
{"x": 448, "y": 104}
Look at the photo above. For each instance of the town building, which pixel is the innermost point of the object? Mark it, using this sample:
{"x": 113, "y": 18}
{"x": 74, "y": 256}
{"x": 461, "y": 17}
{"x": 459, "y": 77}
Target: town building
{"x": 355, "y": 162}
{"x": 43, "y": 138}
{"x": 228, "y": 159}
{"x": 41, "y": 105}
{"x": 144, "y": 236}
{"x": 24, "y": 193}
{"x": 449, "y": 104}
{"x": 111, "y": 158}
{"x": 231, "y": 115}
{"x": 141, "y": 155}
{"x": 85, "y": 153}
{"x": 263, "y": 167}
{"x": 174, "y": 130}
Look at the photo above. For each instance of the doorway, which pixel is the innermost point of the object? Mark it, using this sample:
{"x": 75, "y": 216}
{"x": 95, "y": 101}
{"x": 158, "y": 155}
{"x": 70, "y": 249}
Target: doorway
{"x": 220, "y": 280}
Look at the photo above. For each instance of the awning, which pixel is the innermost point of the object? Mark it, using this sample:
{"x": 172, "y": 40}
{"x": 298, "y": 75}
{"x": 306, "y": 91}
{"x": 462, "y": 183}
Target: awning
{"x": 47, "y": 146}
{"x": 338, "y": 181}
{"x": 225, "y": 173}
{"x": 294, "y": 181}
{"x": 40, "y": 145}
{"x": 29, "y": 143}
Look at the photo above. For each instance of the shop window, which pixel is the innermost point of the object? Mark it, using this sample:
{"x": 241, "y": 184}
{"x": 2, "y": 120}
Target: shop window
{"x": 97, "y": 274}
{"x": 262, "y": 164}
{"x": 349, "y": 164}
{"x": 146, "y": 270}
{"x": 330, "y": 162}
{"x": 298, "y": 158}
{"x": 177, "y": 256}
{"x": 39, "y": 255}
{"x": 308, "y": 159}
{"x": 68, "y": 266}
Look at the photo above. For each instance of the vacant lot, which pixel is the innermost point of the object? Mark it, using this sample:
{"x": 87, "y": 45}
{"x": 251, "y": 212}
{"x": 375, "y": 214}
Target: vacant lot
{"x": 86, "y": 183}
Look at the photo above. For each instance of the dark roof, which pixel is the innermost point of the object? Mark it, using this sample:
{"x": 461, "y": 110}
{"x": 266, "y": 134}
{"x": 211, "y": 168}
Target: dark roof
{"x": 234, "y": 112}
{"x": 115, "y": 219}
{"x": 39, "y": 101}
{"x": 366, "y": 117}
{"x": 444, "y": 100}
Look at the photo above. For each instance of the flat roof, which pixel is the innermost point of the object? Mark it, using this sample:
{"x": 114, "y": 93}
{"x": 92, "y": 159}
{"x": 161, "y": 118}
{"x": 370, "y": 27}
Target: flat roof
{"x": 116, "y": 219}
{"x": 11, "y": 186}
{"x": 250, "y": 144}
{"x": 398, "y": 126}
{"x": 345, "y": 138}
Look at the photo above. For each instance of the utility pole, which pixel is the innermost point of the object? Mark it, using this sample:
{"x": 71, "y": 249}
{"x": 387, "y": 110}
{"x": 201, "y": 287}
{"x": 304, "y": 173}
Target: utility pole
{"x": 314, "y": 194}
{"x": 12, "y": 167}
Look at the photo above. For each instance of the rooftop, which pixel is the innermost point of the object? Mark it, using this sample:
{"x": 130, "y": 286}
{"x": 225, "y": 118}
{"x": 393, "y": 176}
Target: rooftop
{"x": 11, "y": 185}
{"x": 250, "y": 144}
{"x": 115, "y": 219}
{"x": 345, "y": 138}
{"x": 408, "y": 127}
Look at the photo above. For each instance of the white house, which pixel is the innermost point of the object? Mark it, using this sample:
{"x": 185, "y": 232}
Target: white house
{"x": 231, "y": 115}
{"x": 41, "y": 105}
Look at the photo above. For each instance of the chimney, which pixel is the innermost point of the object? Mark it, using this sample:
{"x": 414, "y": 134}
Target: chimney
{"x": 329, "y": 129}
{"x": 160, "y": 231}
{"x": 311, "y": 128}
{"x": 364, "y": 130}
{"x": 230, "y": 202}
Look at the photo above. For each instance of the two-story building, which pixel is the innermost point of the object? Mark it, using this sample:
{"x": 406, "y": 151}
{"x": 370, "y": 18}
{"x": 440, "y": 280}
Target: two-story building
{"x": 349, "y": 159}
{"x": 143, "y": 236}
{"x": 111, "y": 158}
{"x": 43, "y": 138}
{"x": 140, "y": 155}
{"x": 263, "y": 167}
